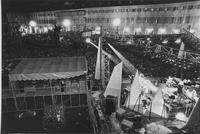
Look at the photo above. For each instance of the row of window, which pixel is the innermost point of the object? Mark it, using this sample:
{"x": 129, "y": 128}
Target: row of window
{"x": 145, "y": 9}
{"x": 70, "y": 13}
{"x": 42, "y": 14}
{"x": 150, "y": 20}
{"x": 51, "y": 21}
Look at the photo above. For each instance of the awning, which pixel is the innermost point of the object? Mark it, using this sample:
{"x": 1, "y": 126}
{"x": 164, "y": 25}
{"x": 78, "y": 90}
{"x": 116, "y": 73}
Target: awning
{"x": 49, "y": 68}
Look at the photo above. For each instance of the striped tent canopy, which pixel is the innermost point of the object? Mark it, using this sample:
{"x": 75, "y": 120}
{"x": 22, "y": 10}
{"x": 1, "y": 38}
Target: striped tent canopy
{"x": 49, "y": 68}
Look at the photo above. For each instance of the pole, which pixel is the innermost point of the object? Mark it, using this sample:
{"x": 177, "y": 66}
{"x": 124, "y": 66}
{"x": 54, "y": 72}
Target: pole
{"x": 51, "y": 92}
{"x": 150, "y": 111}
{"x": 139, "y": 103}
{"x": 14, "y": 95}
{"x": 138, "y": 99}
{"x": 119, "y": 99}
{"x": 100, "y": 46}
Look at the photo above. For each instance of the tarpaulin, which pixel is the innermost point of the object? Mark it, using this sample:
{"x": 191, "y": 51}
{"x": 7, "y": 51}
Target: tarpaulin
{"x": 49, "y": 68}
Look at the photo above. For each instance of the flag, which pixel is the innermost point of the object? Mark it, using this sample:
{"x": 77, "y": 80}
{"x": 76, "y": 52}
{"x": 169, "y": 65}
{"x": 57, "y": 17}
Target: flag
{"x": 98, "y": 62}
{"x": 114, "y": 84}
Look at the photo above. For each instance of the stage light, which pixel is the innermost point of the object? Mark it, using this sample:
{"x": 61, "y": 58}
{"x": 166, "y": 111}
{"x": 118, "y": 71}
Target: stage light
{"x": 32, "y": 23}
{"x": 165, "y": 41}
{"x": 116, "y": 22}
{"x": 66, "y": 23}
{"x": 88, "y": 40}
{"x": 148, "y": 39}
{"x": 180, "y": 116}
{"x": 178, "y": 41}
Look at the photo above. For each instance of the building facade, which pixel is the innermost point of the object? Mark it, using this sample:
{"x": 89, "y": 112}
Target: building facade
{"x": 137, "y": 19}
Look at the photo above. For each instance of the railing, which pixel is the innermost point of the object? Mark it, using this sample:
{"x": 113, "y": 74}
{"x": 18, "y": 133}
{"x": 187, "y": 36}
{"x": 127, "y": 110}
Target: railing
{"x": 91, "y": 113}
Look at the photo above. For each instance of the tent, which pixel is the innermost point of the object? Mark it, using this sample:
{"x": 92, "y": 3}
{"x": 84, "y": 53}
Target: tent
{"x": 49, "y": 68}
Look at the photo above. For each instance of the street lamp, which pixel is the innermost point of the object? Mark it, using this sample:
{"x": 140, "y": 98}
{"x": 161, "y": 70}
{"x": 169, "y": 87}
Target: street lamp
{"x": 32, "y": 23}
{"x": 66, "y": 23}
{"x": 116, "y": 22}
{"x": 88, "y": 40}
